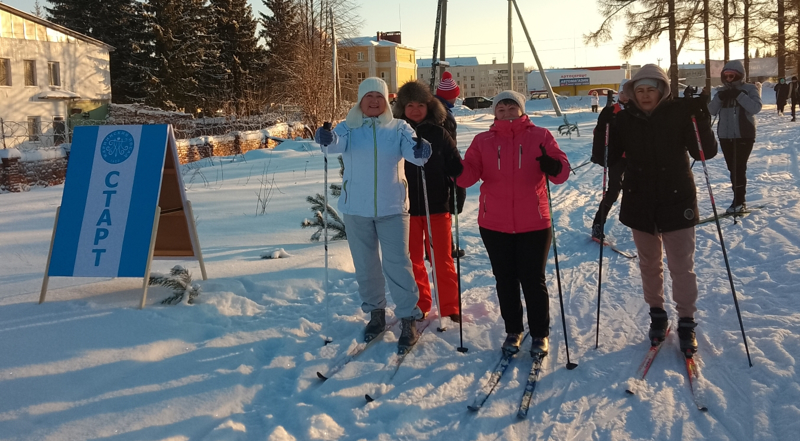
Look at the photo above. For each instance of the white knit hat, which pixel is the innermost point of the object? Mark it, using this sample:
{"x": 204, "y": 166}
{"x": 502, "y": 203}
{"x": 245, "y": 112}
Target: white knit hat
{"x": 509, "y": 95}
{"x": 355, "y": 118}
{"x": 373, "y": 84}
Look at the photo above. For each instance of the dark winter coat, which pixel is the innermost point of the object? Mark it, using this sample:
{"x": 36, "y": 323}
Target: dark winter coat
{"x": 736, "y": 103}
{"x": 607, "y": 116}
{"x": 659, "y": 192}
{"x": 781, "y": 93}
{"x": 443, "y": 166}
{"x": 450, "y": 121}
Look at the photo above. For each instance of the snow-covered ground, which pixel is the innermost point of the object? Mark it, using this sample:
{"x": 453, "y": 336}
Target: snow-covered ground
{"x": 241, "y": 363}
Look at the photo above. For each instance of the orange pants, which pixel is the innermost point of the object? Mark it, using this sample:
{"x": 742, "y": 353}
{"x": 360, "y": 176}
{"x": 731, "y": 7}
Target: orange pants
{"x": 442, "y": 252}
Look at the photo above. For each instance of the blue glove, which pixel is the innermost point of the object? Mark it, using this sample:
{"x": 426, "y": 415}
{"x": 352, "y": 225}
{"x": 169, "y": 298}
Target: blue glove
{"x": 422, "y": 149}
{"x": 324, "y": 135}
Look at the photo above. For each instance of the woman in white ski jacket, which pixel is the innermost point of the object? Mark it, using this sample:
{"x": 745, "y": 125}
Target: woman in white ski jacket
{"x": 374, "y": 204}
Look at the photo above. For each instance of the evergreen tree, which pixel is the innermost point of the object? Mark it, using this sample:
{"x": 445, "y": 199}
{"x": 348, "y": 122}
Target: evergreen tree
{"x": 280, "y": 32}
{"x": 234, "y": 25}
{"x": 186, "y": 69}
{"x": 122, "y": 24}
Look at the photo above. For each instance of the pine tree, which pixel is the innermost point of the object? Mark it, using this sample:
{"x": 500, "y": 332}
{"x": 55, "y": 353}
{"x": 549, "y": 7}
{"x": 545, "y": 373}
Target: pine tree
{"x": 233, "y": 23}
{"x": 336, "y": 226}
{"x": 122, "y": 24}
{"x": 280, "y": 32}
{"x": 186, "y": 68}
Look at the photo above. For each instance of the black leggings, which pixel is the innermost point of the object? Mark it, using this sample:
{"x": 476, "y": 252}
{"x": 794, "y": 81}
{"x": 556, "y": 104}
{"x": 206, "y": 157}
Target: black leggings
{"x": 737, "y": 152}
{"x": 520, "y": 259}
{"x": 615, "y": 175}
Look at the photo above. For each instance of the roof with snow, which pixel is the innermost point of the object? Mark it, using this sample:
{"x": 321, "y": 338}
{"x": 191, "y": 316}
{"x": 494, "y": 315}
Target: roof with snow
{"x": 454, "y": 61}
{"x": 372, "y": 41}
{"x": 51, "y": 25}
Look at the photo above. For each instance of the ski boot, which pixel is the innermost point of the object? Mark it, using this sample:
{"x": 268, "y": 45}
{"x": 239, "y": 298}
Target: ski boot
{"x": 686, "y": 336}
{"x": 658, "y": 326}
{"x": 513, "y": 340}
{"x": 540, "y": 345}
{"x": 408, "y": 335}
{"x": 376, "y": 325}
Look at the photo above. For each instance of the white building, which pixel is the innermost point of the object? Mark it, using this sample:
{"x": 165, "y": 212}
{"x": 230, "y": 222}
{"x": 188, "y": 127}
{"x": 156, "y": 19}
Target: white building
{"x": 47, "y": 74}
{"x": 476, "y": 79}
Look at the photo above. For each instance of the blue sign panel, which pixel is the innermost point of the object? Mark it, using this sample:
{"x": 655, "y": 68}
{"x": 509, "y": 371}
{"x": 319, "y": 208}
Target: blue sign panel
{"x": 110, "y": 197}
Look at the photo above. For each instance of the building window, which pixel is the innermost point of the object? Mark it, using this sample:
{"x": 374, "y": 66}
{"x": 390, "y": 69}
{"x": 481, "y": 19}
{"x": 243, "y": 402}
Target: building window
{"x": 349, "y": 78}
{"x": 347, "y": 55}
{"x": 472, "y": 78}
{"x": 383, "y": 76}
{"x": 54, "y": 73}
{"x": 34, "y": 128}
{"x": 30, "y": 72}
{"x": 360, "y": 56}
{"x": 421, "y": 76}
{"x": 5, "y": 72}
{"x": 361, "y": 76}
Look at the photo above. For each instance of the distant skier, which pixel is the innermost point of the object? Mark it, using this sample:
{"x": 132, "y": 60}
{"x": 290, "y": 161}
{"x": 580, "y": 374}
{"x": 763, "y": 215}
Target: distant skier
{"x": 375, "y": 206}
{"x": 425, "y": 114}
{"x": 659, "y": 201}
{"x": 736, "y": 103}
{"x": 615, "y": 172}
{"x": 513, "y": 159}
{"x": 794, "y": 95}
{"x": 781, "y": 95}
{"x": 595, "y": 101}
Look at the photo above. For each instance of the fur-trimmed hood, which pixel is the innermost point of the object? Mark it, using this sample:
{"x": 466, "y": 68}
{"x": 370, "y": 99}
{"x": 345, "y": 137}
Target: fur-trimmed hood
{"x": 419, "y": 92}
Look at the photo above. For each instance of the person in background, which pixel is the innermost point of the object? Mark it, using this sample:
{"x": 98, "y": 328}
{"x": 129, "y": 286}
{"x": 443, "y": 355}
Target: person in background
{"x": 781, "y": 95}
{"x": 513, "y": 159}
{"x": 374, "y": 205}
{"x": 794, "y": 95}
{"x": 446, "y": 92}
{"x": 426, "y": 115}
{"x": 615, "y": 172}
{"x": 736, "y": 102}
{"x": 595, "y": 101}
{"x": 659, "y": 200}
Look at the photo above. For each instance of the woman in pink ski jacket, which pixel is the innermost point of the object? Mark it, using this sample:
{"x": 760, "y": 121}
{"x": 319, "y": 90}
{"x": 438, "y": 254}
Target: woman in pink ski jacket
{"x": 513, "y": 159}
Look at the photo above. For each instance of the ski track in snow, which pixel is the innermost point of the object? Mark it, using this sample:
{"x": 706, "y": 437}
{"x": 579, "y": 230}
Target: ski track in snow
{"x": 241, "y": 363}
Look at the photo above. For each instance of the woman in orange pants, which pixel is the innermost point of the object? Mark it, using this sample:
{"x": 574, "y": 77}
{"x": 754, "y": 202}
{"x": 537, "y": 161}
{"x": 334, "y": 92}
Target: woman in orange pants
{"x": 426, "y": 114}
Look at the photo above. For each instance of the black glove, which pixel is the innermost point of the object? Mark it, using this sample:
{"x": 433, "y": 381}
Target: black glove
{"x": 549, "y": 165}
{"x": 698, "y": 106}
{"x": 729, "y": 94}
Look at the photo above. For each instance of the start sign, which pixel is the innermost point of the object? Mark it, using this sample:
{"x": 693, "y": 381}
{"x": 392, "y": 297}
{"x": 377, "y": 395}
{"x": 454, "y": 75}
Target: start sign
{"x": 121, "y": 181}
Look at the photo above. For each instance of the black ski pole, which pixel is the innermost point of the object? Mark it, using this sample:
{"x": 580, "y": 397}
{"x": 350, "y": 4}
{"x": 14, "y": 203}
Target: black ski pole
{"x": 602, "y": 240}
{"x": 570, "y": 365}
{"x": 458, "y": 272}
{"x": 721, "y": 240}
{"x": 584, "y": 163}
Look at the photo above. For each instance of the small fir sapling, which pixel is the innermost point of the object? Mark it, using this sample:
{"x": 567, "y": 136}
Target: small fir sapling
{"x": 179, "y": 280}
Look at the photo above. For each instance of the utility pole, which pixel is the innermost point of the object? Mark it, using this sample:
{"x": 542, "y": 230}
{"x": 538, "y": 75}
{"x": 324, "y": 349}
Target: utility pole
{"x": 443, "y": 37}
{"x": 510, "y": 50}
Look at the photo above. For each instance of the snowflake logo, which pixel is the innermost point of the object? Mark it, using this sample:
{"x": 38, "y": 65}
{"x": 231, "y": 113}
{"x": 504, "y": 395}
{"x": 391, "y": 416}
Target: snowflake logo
{"x": 117, "y": 146}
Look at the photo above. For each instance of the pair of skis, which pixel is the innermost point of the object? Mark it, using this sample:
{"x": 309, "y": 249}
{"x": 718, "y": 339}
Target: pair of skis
{"x": 391, "y": 368}
{"x": 497, "y": 374}
{"x": 692, "y": 374}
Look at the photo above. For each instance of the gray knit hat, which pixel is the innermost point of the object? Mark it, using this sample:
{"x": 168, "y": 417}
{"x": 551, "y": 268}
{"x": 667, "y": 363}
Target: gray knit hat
{"x": 509, "y": 95}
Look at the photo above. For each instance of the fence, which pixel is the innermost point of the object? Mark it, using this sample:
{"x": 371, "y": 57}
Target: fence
{"x": 35, "y": 134}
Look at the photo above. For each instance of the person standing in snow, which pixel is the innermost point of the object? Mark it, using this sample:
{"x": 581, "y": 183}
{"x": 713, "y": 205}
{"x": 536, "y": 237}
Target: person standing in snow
{"x": 374, "y": 205}
{"x": 446, "y": 92}
{"x": 781, "y": 95}
{"x": 426, "y": 115}
{"x": 736, "y": 102}
{"x": 659, "y": 199}
{"x": 794, "y": 95}
{"x": 615, "y": 172}
{"x": 595, "y": 101}
{"x": 513, "y": 159}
